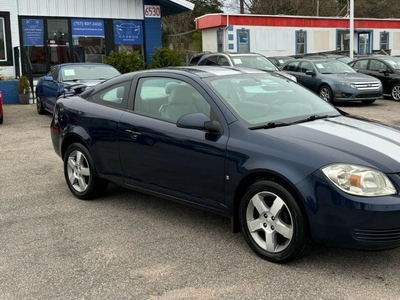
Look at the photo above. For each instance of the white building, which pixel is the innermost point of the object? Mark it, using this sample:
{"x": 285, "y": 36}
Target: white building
{"x": 291, "y": 35}
{"x": 42, "y": 33}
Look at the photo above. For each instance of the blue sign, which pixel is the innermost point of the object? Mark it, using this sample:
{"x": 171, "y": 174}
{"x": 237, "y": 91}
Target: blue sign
{"x": 33, "y": 32}
{"x": 87, "y": 27}
{"x": 128, "y": 32}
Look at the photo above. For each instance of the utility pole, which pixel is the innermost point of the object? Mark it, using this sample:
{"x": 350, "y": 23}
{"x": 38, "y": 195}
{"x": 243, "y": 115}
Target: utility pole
{"x": 317, "y": 8}
{"x": 241, "y": 6}
{"x": 351, "y": 36}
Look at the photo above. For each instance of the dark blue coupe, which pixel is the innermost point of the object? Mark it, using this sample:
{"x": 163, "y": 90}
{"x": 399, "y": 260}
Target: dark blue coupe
{"x": 68, "y": 79}
{"x": 283, "y": 164}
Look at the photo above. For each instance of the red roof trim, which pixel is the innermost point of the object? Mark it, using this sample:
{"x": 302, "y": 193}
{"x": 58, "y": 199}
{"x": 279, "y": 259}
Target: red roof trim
{"x": 220, "y": 20}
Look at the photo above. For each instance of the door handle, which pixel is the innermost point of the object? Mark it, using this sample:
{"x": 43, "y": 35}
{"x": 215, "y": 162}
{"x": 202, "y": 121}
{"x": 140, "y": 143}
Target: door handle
{"x": 133, "y": 131}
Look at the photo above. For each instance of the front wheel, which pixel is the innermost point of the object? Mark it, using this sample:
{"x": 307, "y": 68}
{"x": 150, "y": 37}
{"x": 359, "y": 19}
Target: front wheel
{"x": 396, "y": 92}
{"x": 326, "y": 93}
{"x": 80, "y": 173}
{"x": 272, "y": 222}
{"x": 39, "y": 104}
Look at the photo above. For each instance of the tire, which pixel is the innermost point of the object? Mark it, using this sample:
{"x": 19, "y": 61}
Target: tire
{"x": 396, "y": 92}
{"x": 39, "y": 105}
{"x": 81, "y": 175}
{"x": 272, "y": 222}
{"x": 368, "y": 102}
{"x": 325, "y": 93}
{"x": 1, "y": 118}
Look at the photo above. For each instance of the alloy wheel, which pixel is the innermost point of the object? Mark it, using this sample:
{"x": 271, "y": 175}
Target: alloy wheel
{"x": 325, "y": 94}
{"x": 78, "y": 171}
{"x": 269, "y": 222}
{"x": 396, "y": 92}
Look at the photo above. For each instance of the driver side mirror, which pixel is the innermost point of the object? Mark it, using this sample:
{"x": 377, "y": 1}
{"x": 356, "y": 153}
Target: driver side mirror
{"x": 311, "y": 73}
{"x": 200, "y": 121}
{"x": 48, "y": 78}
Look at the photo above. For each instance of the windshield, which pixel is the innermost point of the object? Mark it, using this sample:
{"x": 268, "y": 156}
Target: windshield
{"x": 333, "y": 67}
{"x": 393, "y": 61}
{"x": 87, "y": 72}
{"x": 254, "y": 61}
{"x": 257, "y": 99}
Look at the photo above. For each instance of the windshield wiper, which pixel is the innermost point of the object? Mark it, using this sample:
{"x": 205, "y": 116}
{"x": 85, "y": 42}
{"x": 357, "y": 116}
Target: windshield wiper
{"x": 269, "y": 125}
{"x": 315, "y": 117}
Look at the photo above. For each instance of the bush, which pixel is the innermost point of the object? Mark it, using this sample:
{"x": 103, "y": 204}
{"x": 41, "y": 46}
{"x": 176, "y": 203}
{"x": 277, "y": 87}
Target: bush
{"x": 125, "y": 61}
{"x": 165, "y": 57}
{"x": 23, "y": 85}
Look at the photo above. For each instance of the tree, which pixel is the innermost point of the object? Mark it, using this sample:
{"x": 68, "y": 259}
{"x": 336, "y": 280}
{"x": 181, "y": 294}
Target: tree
{"x": 328, "y": 8}
{"x": 179, "y": 30}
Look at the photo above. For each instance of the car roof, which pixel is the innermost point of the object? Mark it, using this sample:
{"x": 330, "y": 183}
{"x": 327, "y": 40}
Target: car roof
{"x": 82, "y": 64}
{"x": 234, "y": 53}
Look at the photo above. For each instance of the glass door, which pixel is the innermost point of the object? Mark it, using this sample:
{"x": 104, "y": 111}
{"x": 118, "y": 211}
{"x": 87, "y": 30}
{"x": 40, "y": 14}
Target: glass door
{"x": 364, "y": 43}
{"x": 58, "y": 38}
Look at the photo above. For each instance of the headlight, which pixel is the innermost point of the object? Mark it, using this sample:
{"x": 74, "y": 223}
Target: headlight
{"x": 292, "y": 77}
{"x": 359, "y": 180}
{"x": 348, "y": 84}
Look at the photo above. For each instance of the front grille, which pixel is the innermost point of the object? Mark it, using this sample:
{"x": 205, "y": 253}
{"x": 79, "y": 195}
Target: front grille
{"x": 367, "y": 86}
{"x": 377, "y": 235}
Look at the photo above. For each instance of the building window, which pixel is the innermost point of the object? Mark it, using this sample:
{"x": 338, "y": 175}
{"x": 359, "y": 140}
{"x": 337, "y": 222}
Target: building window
{"x": 3, "y": 47}
{"x": 343, "y": 40}
{"x": 220, "y": 40}
{"x": 384, "y": 40}
{"x": 301, "y": 42}
{"x": 5, "y": 40}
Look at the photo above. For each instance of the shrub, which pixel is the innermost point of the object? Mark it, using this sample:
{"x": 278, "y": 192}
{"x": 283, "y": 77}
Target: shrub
{"x": 165, "y": 57}
{"x": 23, "y": 85}
{"x": 125, "y": 61}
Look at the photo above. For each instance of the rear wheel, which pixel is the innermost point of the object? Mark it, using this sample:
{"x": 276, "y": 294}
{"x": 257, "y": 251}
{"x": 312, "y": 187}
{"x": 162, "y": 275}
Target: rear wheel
{"x": 80, "y": 173}
{"x": 272, "y": 222}
{"x": 396, "y": 92}
{"x": 39, "y": 104}
{"x": 325, "y": 93}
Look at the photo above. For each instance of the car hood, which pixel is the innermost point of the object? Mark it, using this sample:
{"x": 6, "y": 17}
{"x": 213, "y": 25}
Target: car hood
{"x": 344, "y": 140}
{"x": 352, "y": 77}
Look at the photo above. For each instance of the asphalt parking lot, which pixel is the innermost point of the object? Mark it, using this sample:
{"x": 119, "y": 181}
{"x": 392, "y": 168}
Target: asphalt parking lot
{"x": 127, "y": 245}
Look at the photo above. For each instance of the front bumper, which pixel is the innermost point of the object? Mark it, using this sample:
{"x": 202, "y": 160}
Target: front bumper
{"x": 340, "y": 219}
{"x": 346, "y": 94}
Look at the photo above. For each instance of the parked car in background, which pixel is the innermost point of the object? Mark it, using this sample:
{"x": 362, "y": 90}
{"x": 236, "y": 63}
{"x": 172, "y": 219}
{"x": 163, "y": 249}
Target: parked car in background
{"x": 385, "y": 68}
{"x": 343, "y": 58}
{"x": 247, "y": 60}
{"x": 283, "y": 164}
{"x": 334, "y": 81}
{"x": 280, "y": 60}
{"x": 69, "y": 78}
{"x": 1, "y": 108}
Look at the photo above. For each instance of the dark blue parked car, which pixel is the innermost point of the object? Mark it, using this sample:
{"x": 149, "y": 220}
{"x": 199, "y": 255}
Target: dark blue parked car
{"x": 69, "y": 78}
{"x": 282, "y": 163}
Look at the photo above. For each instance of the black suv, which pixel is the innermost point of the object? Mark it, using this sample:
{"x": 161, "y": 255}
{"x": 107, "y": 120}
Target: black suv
{"x": 246, "y": 60}
{"x": 385, "y": 68}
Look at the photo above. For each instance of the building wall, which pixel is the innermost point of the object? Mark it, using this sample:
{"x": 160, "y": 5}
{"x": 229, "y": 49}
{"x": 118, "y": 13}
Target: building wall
{"x": 281, "y": 41}
{"x": 11, "y": 7}
{"x": 112, "y": 9}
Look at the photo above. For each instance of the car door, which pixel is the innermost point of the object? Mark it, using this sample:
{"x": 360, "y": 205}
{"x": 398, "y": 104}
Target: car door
{"x": 158, "y": 155}
{"x": 382, "y": 71}
{"x": 307, "y": 80}
{"x": 292, "y": 68}
{"x": 50, "y": 88}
